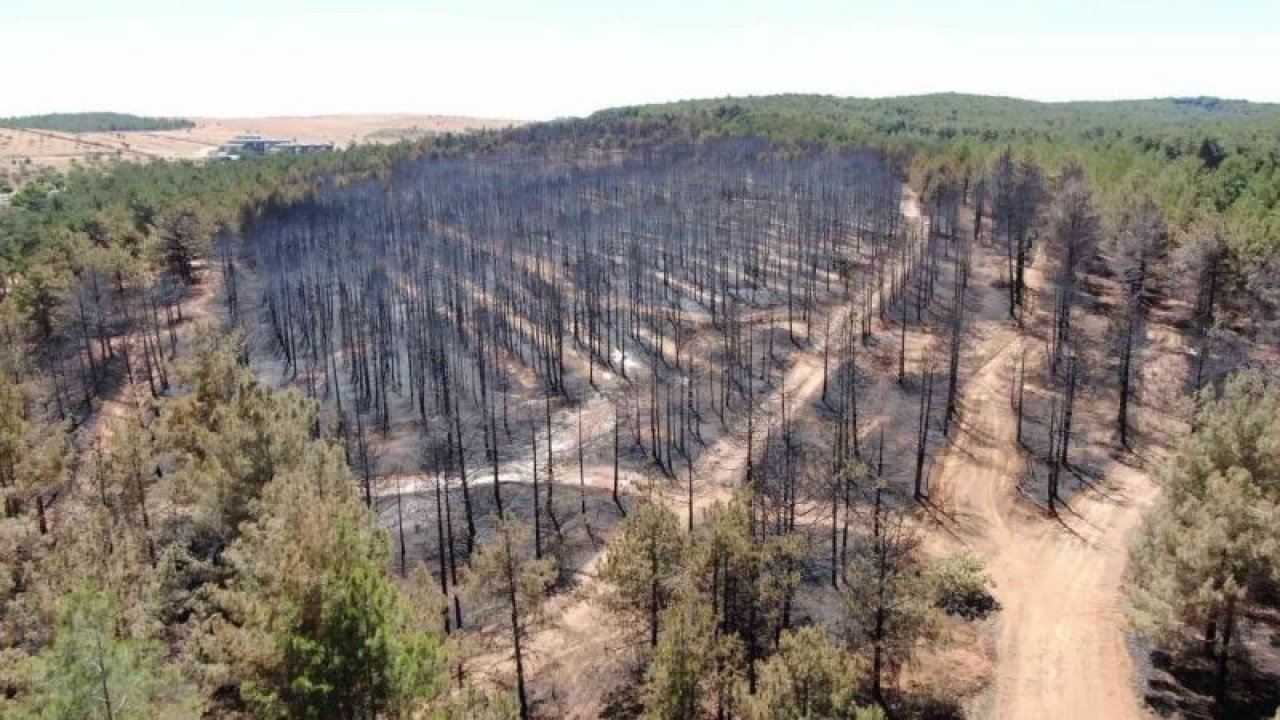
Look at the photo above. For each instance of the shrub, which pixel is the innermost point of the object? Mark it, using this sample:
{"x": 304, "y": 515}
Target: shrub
{"x": 960, "y": 586}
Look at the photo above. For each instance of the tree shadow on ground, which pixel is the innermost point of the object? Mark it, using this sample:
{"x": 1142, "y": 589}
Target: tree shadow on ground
{"x": 1183, "y": 687}
{"x": 925, "y": 706}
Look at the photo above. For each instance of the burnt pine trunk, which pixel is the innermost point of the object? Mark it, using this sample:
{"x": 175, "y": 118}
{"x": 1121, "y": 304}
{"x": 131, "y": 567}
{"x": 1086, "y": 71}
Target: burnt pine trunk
{"x": 922, "y": 433}
{"x": 440, "y": 552}
{"x": 517, "y": 629}
{"x": 653, "y": 591}
{"x": 617, "y": 440}
{"x": 1068, "y": 406}
{"x": 1221, "y": 675}
{"x": 537, "y": 511}
{"x": 882, "y": 572}
{"x": 1126, "y": 377}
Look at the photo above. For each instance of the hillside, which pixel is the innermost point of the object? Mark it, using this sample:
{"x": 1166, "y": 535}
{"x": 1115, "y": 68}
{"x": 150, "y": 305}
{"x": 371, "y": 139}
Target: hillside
{"x": 952, "y": 116}
{"x": 673, "y": 411}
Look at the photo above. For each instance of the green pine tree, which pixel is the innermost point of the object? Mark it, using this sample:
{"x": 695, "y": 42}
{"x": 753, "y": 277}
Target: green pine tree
{"x": 316, "y": 627}
{"x": 645, "y": 558}
{"x": 1214, "y": 540}
{"x": 808, "y": 679}
{"x": 93, "y": 672}
{"x": 675, "y": 684}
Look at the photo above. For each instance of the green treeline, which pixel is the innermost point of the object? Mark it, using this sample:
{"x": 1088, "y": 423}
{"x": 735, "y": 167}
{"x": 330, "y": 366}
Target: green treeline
{"x": 94, "y": 122}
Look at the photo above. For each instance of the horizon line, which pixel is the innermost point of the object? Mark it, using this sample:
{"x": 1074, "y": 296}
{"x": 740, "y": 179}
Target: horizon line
{"x": 713, "y": 98}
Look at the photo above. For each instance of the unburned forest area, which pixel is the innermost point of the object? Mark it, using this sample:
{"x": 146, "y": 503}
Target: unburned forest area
{"x": 685, "y": 411}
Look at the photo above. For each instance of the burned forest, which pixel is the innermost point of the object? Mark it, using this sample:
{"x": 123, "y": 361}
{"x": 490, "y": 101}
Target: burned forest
{"x": 791, "y": 407}
{"x": 552, "y": 339}
{"x": 467, "y": 304}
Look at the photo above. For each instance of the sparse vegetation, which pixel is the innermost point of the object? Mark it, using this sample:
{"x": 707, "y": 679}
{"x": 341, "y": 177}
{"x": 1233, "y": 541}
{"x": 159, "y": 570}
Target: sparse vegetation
{"x": 961, "y": 586}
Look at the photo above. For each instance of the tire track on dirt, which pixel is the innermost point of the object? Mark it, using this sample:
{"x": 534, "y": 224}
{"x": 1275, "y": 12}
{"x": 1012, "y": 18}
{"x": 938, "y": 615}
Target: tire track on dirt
{"x": 1060, "y": 635}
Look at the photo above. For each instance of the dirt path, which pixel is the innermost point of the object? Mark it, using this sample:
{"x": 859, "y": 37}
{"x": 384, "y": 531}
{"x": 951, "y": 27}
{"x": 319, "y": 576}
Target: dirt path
{"x": 722, "y": 466}
{"x": 1060, "y": 640}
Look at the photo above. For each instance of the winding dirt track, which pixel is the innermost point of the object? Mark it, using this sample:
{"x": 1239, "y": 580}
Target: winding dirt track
{"x": 1060, "y": 645}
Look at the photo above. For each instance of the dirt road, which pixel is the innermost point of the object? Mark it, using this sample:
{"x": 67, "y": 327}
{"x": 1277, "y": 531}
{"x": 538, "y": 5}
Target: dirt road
{"x": 1060, "y": 645}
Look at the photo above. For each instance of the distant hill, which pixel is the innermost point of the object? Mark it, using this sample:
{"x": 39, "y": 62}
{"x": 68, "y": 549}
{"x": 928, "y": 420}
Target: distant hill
{"x": 950, "y": 117}
{"x": 94, "y": 122}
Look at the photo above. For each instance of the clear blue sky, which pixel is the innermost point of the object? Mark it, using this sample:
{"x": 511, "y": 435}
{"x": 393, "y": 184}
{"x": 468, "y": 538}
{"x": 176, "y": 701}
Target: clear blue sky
{"x": 537, "y": 60}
